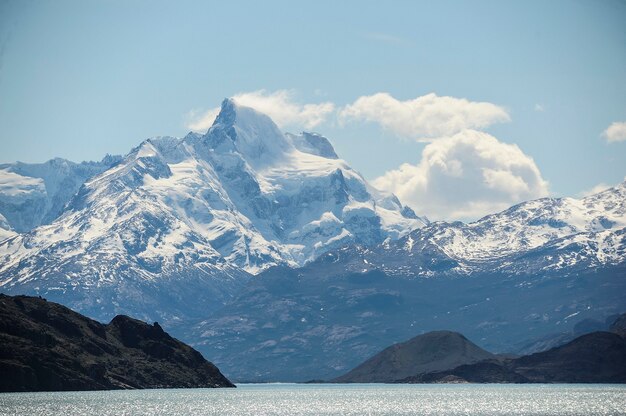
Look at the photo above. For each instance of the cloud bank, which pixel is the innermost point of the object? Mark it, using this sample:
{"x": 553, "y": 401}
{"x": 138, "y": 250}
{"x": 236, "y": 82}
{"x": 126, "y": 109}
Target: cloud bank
{"x": 616, "y": 132}
{"x": 465, "y": 176}
{"x": 279, "y": 105}
{"x": 423, "y": 118}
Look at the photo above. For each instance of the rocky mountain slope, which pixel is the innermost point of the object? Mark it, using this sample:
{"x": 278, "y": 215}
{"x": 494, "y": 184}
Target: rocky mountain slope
{"x": 178, "y": 225}
{"x": 549, "y": 341}
{"x": 619, "y": 326}
{"x": 434, "y": 351}
{"x": 48, "y": 347}
{"x": 305, "y": 324}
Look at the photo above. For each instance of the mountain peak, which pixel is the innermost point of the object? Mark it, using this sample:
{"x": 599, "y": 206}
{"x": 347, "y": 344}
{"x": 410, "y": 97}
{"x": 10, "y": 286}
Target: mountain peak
{"x": 227, "y": 114}
{"x": 254, "y": 135}
{"x": 233, "y": 114}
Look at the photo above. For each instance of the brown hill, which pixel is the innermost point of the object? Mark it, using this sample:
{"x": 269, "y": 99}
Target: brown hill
{"x": 599, "y": 357}
{"x": 433, "y": 351}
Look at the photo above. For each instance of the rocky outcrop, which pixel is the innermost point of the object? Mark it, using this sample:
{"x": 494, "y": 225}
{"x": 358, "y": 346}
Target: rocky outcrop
{"x": 47, "y": 347}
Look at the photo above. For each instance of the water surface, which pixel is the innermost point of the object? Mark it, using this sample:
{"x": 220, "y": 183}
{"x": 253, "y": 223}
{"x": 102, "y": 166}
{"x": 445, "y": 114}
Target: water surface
{"x": 327, "y": 399}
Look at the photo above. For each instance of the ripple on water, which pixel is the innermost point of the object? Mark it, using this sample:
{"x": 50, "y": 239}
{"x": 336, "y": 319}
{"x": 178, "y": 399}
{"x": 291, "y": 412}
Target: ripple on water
{"x": 327, "y": 399}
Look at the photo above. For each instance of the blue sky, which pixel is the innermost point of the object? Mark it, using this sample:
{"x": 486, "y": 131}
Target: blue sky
{"x": 79, "y": 79}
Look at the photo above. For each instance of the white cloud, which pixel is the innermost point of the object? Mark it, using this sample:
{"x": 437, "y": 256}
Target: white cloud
{"x": 539, "y": 108}
{"x": 465, "y": 176}
{"x": 598, "y": 188}
{"x": 201, "y": 121}
{"x": 425, "y": 117}
{"x": 616, "y": 132}
{"x": 279, "y": 105}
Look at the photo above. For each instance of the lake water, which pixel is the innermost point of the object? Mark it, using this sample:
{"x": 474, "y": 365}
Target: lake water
{"x": 336, "y": 399}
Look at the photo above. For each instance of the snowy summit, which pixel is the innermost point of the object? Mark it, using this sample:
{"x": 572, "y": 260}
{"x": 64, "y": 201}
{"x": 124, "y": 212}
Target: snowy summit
{"x": 236, "y": 200}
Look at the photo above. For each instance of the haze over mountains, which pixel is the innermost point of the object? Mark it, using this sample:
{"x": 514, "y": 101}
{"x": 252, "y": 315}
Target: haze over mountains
{"x": 272, "y": 256}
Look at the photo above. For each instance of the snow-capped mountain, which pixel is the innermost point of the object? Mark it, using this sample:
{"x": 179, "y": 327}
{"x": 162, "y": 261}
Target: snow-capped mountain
{"x": 196, "y": 215}
{"x": 548, "y": 234}
{"x": 533, "y": 270}
{"x": 591, "y": 228}
{"x": 296, "y": 198}
{"x": 32, "y": 194}
{"x": 175, "y": 230}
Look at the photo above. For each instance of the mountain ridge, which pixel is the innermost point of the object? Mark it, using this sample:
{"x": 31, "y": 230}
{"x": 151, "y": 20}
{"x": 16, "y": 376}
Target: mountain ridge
{"x": 369, "y": 293}
{"x": 204, "y": 211}
{"x": 33, "y": 194}
{"x": 269, "y": 244}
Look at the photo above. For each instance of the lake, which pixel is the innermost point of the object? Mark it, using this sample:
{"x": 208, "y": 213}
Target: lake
{"x": 331, "y": 399}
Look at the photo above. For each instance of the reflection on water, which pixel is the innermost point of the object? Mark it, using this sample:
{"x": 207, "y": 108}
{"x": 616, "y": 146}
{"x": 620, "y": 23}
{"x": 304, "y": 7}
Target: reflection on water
{"x": 337, "y": 399}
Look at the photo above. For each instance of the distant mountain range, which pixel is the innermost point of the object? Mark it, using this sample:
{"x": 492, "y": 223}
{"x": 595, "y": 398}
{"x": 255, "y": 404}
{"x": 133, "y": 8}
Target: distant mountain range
{"x": 597, "y": 357}
{"x": 449, "y": 357}
{"x": 317, "y": 322}
{"x": 270, "y": 254}
{"x": 430, "y": 352}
